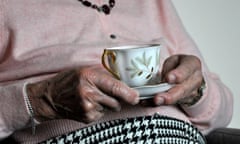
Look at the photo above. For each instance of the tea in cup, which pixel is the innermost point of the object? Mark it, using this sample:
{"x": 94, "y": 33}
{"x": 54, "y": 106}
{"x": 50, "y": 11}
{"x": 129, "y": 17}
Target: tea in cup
{"x": 136, "y": 65}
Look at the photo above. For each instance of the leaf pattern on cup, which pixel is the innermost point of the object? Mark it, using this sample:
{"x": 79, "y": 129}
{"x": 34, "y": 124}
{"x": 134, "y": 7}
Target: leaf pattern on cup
{"x": 145, "y": 61}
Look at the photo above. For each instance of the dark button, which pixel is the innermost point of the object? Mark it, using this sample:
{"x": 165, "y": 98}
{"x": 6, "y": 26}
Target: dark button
{"x": 112, "y": 36}
{"x": 87, "y": 3}
{"x": 111, "y": 3}
{"x": 106, "y": 9}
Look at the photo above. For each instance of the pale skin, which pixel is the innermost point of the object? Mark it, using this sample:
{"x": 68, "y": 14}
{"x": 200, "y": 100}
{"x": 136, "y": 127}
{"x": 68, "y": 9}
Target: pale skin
{"x": 184, "y": 71}
{"x": 95, "y": 90}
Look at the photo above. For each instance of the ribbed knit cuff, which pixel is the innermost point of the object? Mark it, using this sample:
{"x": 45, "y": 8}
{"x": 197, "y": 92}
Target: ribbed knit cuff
{"x": 29, "y": 108}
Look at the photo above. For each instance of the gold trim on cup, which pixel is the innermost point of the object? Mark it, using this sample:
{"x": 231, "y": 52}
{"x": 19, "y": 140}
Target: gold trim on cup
{"x": 112, "y": 54}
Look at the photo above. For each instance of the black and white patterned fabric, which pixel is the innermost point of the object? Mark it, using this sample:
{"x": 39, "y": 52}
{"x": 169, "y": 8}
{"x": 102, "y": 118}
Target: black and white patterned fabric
{"x": 154, "y": 129}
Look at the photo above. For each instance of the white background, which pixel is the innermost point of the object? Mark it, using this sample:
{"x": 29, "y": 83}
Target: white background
{"x": 215, "y": 27}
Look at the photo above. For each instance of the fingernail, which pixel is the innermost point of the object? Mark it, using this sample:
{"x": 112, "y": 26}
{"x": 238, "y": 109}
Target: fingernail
{"x": 136, "y": 101}
{"x": 159, "y": 101}
{"x": 136, "y": 98}
{"x": 171, "y": 78}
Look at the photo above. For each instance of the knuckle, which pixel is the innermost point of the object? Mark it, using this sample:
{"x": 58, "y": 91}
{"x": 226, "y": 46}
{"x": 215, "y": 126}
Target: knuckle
{"x": 116, "y": 88}
{"x": 196, "y": 61}
{"x": 86, "y": 73}
{"x": 87, "y": 106}
{"x": 93, "y": 116}
{"x": 169, "y": 100}
{"x": 90, "y": 117}
{"x": 85, "y": 92}
{"x": 181, "y": 75}
{"x": 85, "y": 98}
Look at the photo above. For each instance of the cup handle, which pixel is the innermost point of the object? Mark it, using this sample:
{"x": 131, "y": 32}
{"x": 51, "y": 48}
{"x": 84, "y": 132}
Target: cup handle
{"x": 106, "y": 64}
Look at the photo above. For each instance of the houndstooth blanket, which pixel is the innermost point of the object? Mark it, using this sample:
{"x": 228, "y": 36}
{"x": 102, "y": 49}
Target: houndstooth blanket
{"x": 156, "y": 129}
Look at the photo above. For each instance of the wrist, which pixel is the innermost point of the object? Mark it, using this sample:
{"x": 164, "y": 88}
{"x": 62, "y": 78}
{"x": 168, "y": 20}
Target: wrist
{"x": 42, "y": 109}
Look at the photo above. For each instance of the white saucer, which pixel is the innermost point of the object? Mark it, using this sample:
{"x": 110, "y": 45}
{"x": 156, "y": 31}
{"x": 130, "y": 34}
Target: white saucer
{"x": 148, "y": 91}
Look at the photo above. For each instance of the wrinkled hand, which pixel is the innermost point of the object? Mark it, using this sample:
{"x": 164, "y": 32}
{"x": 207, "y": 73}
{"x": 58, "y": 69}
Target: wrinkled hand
{"x": 184, "y": 71}
{"x": 80, "y": 94}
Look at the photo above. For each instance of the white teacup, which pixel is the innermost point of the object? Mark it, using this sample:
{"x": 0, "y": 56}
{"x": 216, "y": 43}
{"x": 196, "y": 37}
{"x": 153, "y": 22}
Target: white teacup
{"x": 136, "y": 65}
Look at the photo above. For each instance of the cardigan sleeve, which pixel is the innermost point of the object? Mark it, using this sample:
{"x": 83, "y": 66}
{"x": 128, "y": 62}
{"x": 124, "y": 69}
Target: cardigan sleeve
{"x": 215, "y": 108}
{"x": 13, "y": 111}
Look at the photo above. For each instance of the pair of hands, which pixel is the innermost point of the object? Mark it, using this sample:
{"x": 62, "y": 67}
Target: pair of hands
{"x": 83, "y": 94}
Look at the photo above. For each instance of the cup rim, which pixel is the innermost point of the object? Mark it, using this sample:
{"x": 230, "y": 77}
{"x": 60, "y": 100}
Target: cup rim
{"x": 133, "y": 46}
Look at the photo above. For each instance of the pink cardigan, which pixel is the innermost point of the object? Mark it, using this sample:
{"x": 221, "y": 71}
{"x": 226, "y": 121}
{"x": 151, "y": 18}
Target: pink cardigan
{"x": 39, "y": 38}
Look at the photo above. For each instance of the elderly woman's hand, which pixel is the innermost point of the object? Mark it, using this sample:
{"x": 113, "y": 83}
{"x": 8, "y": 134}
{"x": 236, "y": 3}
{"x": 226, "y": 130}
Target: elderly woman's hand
{"x": 79, "y": 94}
{"x": 184, "y": 71}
